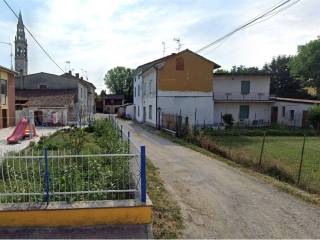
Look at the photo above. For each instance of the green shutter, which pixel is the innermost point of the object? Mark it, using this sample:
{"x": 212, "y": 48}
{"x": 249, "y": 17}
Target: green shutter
{"x": 245, "y": 87}
{"x": 244, "y": 112}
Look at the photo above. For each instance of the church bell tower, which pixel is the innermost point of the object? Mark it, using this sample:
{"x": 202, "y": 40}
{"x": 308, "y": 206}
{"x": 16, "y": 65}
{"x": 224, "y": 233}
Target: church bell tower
{"x": 21, "y": 47}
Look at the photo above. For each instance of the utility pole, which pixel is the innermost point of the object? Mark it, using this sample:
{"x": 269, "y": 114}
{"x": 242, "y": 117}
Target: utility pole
{"x": 179, "y": 44}
{"x": 11, "y": 54}
{"x": 163, "y": 48}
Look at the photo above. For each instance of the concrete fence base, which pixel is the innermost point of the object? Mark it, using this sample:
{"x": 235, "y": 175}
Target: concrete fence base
{"x": 76, "y": 214}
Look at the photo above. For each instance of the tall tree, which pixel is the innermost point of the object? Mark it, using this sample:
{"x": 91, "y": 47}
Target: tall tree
{"x": 282, "y": 83}
{"x": 306, "y": 64}
{"x": 119, "y": 80}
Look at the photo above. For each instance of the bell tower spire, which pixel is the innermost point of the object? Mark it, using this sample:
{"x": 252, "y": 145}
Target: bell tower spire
{"x": 21, "y": 47}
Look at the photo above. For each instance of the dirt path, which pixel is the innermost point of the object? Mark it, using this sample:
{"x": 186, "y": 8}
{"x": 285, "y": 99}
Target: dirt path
{"x": 219, "y": 201}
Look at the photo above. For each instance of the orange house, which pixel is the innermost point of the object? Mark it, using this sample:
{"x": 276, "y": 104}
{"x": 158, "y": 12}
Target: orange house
{"x": 7, "y": 97}
{"x": 180, "y": 84}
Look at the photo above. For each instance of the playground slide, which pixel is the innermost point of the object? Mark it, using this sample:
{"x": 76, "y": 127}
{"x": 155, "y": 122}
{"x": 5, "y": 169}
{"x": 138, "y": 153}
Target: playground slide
{"x": 18, "y": 132}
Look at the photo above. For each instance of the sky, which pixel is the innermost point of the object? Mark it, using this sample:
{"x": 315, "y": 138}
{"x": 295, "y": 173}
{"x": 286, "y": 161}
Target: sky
{"x": 97, "y": 35}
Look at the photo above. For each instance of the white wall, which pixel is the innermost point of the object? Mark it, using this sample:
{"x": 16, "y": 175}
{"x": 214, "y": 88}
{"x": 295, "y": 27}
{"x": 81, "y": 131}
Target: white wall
{"x": 257, "y": 111}
{"x": 188, "y": 103}
{"x": 259, "y": 86}
{"x": 298, "y": 112}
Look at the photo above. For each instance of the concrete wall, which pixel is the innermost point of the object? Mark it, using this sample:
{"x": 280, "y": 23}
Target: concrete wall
{"x": 190, "y": 104}
{"x": 298, "y": 112}
{"x": 257, "y": 111}
{"x": 259, "y": 87}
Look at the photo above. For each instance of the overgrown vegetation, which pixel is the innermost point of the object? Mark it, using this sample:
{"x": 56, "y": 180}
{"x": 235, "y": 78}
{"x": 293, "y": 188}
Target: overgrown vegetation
{"x": 167, "y": 218}
{"x": 69, "y": 174}
{"x": 278, "y": 156}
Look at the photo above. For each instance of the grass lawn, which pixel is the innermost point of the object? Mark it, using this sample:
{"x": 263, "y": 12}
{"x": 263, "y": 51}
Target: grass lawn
{"x": 280, "y": 154}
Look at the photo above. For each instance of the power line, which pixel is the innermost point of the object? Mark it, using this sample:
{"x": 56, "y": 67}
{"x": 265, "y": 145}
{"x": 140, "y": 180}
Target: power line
{"x": 253, "y": 20}
{"x": 34, "y": 38}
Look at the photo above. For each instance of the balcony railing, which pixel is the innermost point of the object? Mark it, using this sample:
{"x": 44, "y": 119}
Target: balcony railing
{"x": 237, "y": 96}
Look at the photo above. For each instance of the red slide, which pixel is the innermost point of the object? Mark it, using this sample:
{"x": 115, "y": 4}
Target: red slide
{"x": 18, "y": 132}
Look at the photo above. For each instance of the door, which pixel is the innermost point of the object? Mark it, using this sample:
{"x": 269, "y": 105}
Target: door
{"x": 144, "y": 114}
{"x": 4, "y": 118}
{"x": 134, "y": 113}
{"x": 274, "y": 115}
{"x": 305, "y": 119}
{"x": 38, "y": 118}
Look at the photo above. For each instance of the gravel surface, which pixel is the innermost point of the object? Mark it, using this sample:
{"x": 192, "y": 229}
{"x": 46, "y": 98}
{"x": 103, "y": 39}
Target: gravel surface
{"x": 219, "y": 201}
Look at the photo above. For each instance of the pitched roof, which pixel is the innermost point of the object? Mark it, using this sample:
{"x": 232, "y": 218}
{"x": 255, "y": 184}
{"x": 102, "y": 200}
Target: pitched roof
{"x": 147, "y": 66}
{"x": 241, "y": 74}
{"x": 47, "y": 98}
{"x": 7, "y": 70}
{"x": 84, "y": 82}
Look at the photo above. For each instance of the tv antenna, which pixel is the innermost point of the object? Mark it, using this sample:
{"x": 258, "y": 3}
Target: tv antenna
{"x": 179, "y": 44}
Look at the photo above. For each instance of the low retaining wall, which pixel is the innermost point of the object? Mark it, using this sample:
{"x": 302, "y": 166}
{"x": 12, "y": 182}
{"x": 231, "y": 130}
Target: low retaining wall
{"x": 76, "y": 214}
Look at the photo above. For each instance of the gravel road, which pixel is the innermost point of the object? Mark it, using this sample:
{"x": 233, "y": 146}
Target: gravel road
{"x": 219, "y": 201}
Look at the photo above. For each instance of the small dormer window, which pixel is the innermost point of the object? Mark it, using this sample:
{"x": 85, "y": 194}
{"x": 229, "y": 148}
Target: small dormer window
{"x": 179, "y": 64}
{"x": 43, "y": 86}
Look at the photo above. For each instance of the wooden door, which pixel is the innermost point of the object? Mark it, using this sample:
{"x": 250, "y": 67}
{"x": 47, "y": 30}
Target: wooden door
{"x": 305, "y": 119}
{"x": 274, "y": 115}
{"x": 4, "y": 118}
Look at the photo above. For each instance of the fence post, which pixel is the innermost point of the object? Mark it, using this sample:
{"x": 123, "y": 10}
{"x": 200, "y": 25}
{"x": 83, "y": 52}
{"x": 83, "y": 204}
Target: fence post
{"x": 46, "y": 176}
{"x": 301, "y": 159}
{"x": 128, "y": 141}
{"x": 262, "y": 148}
{"x": 121, "y": 131}
{"x": 143, "y": 177}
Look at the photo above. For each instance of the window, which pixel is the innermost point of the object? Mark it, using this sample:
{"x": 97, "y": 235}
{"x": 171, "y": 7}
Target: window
{"x": 283, "y": 111}
{"x": 179, "y": 64}
{"x": 81, "y": 92}
{"x": 291, "y": 115}
{"x": 4, "y": 87}
{"x": 43, "y": 86}
{"x": 244, "y": 112}
{"x": 135, "y": 91}
{"x": 150, "y": 87}
{"x": 150, "y": 112}
{"x": 138, "y": 91}
{"x": 138, "y": 111}
{"x": 245, "y": 87}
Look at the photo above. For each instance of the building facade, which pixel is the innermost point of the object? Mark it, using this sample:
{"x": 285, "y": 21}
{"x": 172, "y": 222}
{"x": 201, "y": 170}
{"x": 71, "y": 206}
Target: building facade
{"x": 29, "y": 87}
{"x": 245, "y": 96}
{"x": 112, "y": 102}
{"x": 7, "y": 97}
{"x": 176, "y": 84}
{"x": 291, "y": 112}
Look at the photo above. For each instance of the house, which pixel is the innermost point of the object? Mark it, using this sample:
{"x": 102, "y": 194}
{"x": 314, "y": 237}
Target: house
{"x": 126, "y": 111}
{"x": 180, "y": 83}
{"x": 244, "y": 96}
{"x": 29, "y": 87}
{"x": 112, "y": 103}
{"x": 291, "y": 112}
{"x": 7, "y": 97}
{"x": 47, "y": 107}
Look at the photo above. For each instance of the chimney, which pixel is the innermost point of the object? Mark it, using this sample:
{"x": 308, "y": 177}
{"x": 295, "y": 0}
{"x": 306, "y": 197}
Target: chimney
{"x": 70, "y": 73}
{"x": 81, "y": 78}
{"x": 77, "y": 75}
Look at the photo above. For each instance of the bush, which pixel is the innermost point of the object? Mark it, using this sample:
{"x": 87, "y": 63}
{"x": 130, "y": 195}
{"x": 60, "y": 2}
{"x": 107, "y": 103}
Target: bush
{"x": 228, "y": 119}
{"x": 314, "y": 117}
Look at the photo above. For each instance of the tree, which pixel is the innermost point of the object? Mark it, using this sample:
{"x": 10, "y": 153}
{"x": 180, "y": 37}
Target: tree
{"x": 314, "y": 116}
{"x": 282, "y": 83}
{"x": 306, "y": 64}
{"x": 103, "y": 94}
{"x": 228, "y": 119}
{"x": 246, "y": 70}
{"x": 119, "y": 80}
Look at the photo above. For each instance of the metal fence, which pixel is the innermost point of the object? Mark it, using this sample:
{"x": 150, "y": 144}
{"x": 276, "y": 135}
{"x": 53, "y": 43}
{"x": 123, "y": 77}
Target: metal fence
{"x": 45, "y": 176}
{"x": 295, "y": 159}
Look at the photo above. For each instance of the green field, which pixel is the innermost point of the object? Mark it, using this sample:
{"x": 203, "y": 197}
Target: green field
{"x": 281, "y": 156}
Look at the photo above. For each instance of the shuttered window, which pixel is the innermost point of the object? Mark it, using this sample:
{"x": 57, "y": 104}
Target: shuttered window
{"x": 245, "y": 87}
{"x": 244, "y": 112}
{"x": 4, "y": 87}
